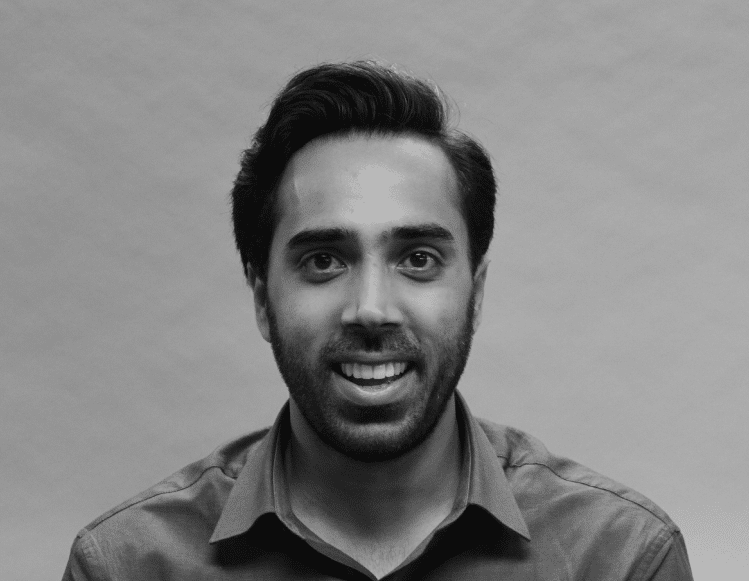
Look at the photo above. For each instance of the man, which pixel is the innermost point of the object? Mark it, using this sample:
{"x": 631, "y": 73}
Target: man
{"x": 363, "y": 221}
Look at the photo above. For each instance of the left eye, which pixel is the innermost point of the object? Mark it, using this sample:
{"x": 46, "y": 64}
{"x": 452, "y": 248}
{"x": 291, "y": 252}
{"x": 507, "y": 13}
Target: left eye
{"x": 419, "y": 260}
{"x": 419, "y": 263}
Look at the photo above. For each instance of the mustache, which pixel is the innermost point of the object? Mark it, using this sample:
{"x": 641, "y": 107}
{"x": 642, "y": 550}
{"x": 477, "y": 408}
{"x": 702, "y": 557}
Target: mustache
{"x": 358, "y": 341}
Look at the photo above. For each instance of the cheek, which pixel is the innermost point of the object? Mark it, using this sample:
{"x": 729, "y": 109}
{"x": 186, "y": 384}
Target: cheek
{"x": 438, "y": 311}
{"x": 305, "y": 313}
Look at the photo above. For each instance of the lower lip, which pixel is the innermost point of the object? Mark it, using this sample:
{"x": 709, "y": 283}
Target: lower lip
{"x": 373, "y": 395}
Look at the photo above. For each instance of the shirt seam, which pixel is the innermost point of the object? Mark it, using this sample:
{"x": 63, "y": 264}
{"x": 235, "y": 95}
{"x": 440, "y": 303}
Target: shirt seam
{"x": 176, "y": 489}
{"x": 98, "y": 555}
{"x": 657, "y": 549}
{"x": 671, "y": 527}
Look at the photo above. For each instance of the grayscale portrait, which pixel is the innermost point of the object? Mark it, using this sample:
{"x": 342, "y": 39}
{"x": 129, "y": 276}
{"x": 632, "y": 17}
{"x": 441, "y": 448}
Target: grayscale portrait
{"x": 359, "y": 292}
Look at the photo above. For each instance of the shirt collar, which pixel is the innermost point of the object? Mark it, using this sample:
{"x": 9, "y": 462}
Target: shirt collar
{"x": 488, "y": 486}
{"x": 261, "y": 486}
{"x": 257, "y": 489}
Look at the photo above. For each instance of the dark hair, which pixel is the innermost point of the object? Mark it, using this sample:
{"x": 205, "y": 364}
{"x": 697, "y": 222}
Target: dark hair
{"x": 343, "y": 98}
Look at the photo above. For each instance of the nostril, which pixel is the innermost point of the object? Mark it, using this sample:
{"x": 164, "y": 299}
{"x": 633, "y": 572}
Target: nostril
{"x": 368, "y": 316}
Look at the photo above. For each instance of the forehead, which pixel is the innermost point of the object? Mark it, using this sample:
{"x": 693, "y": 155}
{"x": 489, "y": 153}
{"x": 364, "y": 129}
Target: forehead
{"x": 368, "y": 184}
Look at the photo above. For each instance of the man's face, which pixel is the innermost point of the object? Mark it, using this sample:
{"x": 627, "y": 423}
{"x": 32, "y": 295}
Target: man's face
{"x": 370, "y": 303}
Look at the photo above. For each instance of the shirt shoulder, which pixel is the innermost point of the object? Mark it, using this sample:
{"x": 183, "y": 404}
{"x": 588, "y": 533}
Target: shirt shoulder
{"x": 180, "y": 511}
{"x": 518, "y": 449}
{"x": 225, "y": 462}
{"x": 579, "y": 518}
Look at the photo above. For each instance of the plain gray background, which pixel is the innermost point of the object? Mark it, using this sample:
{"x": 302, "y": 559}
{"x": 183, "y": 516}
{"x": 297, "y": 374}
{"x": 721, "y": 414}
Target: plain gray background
{"x": 615, "y": 324}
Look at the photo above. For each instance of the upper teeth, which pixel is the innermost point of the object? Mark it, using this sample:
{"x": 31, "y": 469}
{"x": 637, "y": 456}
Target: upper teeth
{"x": 381, "y": 371}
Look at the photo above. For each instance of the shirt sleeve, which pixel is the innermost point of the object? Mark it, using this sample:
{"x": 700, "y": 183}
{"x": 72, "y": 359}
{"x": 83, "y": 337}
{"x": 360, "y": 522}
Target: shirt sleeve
{"x": 671, "y": 563}
{"x": 84, "y": 563}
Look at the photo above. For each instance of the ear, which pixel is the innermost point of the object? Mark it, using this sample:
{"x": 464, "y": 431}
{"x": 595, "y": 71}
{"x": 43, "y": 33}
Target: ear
{"x": 260, "y": 294}
{"x": 479, "y": 279}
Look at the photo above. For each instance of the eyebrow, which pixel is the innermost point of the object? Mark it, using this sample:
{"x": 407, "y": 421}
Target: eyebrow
{"x": 420, "y": 232}
{"x": 315, "y": 236}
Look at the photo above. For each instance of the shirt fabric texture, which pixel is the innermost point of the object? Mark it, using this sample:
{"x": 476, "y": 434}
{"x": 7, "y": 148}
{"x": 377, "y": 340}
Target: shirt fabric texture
{"x": 521, "y": 513}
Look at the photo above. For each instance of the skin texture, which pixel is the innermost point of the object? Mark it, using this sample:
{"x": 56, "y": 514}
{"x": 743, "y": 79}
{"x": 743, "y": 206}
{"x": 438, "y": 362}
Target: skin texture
{"x": 370, "y": 263}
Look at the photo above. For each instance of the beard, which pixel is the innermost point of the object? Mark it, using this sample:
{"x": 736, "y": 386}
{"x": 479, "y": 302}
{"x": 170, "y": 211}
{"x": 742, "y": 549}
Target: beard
{"x": 383, "y": 432}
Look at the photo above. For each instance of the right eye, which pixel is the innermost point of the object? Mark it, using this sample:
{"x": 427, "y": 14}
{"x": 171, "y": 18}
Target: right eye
{"x": 322, "y": 266}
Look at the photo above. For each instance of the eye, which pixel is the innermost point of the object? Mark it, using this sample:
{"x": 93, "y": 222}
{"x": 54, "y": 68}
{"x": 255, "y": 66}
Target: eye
{"x": 420, "y": 264}
{"x": 322, "y": 266}
{"x": 419, "y": 260}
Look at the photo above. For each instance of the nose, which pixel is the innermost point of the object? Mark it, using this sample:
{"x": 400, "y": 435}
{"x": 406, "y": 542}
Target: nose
{"x": 373, "y": 302}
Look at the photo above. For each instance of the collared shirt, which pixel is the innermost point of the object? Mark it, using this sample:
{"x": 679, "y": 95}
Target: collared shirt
{"x": 520, "y": 513}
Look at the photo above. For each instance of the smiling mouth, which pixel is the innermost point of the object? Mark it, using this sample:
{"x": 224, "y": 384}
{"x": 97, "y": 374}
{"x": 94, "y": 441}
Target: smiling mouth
{"x": 366, "y": 375}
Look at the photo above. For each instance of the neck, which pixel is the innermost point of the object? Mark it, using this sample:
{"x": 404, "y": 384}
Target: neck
{"x": 373, "y": 499}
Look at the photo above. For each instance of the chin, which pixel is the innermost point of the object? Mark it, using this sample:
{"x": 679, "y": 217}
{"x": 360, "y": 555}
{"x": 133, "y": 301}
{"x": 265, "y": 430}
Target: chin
{"x": 367, "y": 438}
